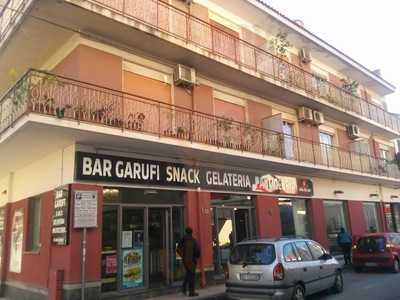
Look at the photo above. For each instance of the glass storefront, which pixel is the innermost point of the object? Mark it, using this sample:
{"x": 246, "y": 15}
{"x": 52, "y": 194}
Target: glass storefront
{"x": 232, "y": 222}
{"x": 335, "y": 217}
{"x": 141, "y": 229}
{"x": 294, "y": 217}
{"x": 371, "y": 217}
{"x": 392, "y": 216}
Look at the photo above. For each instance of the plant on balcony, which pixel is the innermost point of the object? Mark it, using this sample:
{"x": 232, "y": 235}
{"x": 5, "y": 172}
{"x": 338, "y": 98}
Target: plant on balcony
{"x": 226, "y": 126}
{"x": 350, "y": 86}
{"x": 136, "y": 121}
{"x": 249, "y": 137}
{"x": 180, "y": 132}
{"x": 60, "y": 111}
{"x": 280, "y": 44}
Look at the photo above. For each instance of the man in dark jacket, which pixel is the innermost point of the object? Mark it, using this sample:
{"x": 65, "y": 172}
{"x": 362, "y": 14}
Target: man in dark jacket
{"x": 189, "y": 250}
{"x": 344, "y": 240}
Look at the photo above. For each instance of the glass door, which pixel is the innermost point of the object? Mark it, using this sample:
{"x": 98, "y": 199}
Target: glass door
{"x": 231, "y": 225}
{"x": 158, "y": 231}
{"x": 133, "y": 248}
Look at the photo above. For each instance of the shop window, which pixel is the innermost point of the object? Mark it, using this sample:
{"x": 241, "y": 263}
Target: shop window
{"x": 371, "y": 217}
{"x": 335, "y": 219}
{"x": 294, "y": 217}
{"x": 389, "y": 217}
{"x": 396, "y": 216}
{"x": 33, "y": 242}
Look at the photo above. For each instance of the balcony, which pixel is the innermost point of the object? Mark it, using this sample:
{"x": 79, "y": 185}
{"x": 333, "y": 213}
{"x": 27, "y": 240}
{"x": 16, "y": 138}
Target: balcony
{"x": 245, "y": 56}
{"x": 167, "y": 32}
{"x": 62, "y": 98}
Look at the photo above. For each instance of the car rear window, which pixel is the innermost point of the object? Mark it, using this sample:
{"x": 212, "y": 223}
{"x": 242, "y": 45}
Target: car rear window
{"x": 371, "y": 244}
{"x": 253, "y": 254}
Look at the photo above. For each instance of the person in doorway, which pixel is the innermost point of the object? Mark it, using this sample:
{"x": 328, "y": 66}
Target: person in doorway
{"x": 189, "y": 250}
{"x": 344, "y": 240}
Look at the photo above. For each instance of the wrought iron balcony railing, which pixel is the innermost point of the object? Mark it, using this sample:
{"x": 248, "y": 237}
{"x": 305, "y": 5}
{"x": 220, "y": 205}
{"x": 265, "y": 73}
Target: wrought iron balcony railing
{"x": 64, "y": 98}
{"x": 181, "y": 25}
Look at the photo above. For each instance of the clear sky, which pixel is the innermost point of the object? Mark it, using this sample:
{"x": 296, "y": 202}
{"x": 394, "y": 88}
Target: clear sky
{"x": 367, "y": 31}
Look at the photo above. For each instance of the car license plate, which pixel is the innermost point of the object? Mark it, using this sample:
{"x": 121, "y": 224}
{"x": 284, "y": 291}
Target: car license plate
{"x": 370, "y": 264}
{"x": 249, "y": 277}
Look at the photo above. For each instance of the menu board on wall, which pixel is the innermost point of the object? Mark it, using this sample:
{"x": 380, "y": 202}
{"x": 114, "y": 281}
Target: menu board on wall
{"x": 59, "y": 229}
{"x": 132, "y": 268}
{"x": 17, "y": 237}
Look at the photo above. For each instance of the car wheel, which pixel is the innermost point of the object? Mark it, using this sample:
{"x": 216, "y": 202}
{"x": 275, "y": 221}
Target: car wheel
{"x": 396, "y": 266}
{"x": 338, "y": 284}
{"x": 298, "y": 293}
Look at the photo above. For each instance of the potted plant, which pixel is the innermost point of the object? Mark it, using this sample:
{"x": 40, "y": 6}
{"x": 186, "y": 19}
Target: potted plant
{"x": 350, "y": 86}
{"x": 60, "y": 111}
{"x": 180, "y": 132}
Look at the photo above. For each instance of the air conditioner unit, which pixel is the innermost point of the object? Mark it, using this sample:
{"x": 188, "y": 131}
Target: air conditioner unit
{"x": 305, "y": 55}
{"x": 353, "y": 131}
{"x": 305, "y": 114}
{"x": 318, "y": 117}
{"x": 184, "y": 75}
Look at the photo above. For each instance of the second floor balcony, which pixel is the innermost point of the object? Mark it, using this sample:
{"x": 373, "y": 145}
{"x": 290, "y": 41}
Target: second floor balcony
{"x": 63, "y": 98}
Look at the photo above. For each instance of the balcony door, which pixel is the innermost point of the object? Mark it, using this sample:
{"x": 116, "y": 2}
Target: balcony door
{"x": 326, "y": 140}
{"x": 288, "y": 138}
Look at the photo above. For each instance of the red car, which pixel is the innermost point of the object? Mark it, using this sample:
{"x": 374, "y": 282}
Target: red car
{"x": 377, "y": 250}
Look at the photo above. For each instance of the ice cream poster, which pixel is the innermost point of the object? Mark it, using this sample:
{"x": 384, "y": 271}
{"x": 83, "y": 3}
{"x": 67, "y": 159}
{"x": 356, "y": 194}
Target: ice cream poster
{"x": 132, "y": 268}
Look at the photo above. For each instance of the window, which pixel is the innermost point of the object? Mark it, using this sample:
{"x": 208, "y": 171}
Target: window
{"x": 294, "y": 217}
{"x": 303, "y": 251}
{"x": 289, "y": 141}
{"x": 335, "y": 219}
{"x": 371, "y": 217}
{"x": 389, "y": 217}
{"x": 384, "y": 154}
{"x": 288, "y": 253}
{"x": 326, "y": 140}
{"x": 253, "y": 254}
{"x": 316, "y": 250}
{"x": 33, "y": 242}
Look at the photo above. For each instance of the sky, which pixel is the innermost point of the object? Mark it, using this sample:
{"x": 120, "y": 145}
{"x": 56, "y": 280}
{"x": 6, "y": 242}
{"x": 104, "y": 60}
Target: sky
{"x": 367, "y": 31}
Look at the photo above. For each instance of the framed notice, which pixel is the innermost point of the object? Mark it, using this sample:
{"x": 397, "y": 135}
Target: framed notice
{"x": 17, "y": 237}
{"x": 132, "y": 268}
{"x": 59, "y": 229}
{"x": 85, "y": 209}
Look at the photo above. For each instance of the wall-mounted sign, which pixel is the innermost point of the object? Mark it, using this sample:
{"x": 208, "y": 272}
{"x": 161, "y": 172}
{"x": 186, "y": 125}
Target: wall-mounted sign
{"x": 17, "y": 238}
{"x": 59, "y": 229}
{"x": 85, "y": 209}
{"x": 107, "y": 168}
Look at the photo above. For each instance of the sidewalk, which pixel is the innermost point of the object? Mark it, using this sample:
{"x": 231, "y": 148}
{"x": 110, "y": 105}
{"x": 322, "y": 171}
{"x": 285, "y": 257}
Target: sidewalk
{"x": 214, "y": 292}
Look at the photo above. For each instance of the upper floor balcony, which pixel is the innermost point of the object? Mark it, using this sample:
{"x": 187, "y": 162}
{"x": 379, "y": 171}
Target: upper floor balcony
{"x": 66, "y": 100}
{"x": 170, "y": 33}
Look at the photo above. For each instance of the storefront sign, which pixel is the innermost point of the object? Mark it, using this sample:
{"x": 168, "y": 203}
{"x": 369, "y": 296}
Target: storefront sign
{"x": 59, "y": 230}
{"x": 17, "y": 237}
{"x": 132, "y": 268}
{"x": 106, "y": 168}
{"x": 85, "y": 209}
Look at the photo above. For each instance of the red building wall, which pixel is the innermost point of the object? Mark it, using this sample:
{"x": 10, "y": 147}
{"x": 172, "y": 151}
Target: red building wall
{"x": 268, "y": 217}
{"x": 318, "y": 222}
{"x": 356, "y": 218}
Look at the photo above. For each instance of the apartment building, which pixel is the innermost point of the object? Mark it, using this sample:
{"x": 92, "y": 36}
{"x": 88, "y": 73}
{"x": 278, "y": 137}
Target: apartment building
{"x": 133, "y": 119}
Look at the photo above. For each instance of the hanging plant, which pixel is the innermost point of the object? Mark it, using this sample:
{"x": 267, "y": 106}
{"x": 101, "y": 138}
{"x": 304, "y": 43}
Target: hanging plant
{"x": 350, "y": 86}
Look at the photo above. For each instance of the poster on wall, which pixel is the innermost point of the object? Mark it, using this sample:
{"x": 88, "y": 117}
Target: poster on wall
{"x": 17, "y": 238}
{"x": 132, "y": 268}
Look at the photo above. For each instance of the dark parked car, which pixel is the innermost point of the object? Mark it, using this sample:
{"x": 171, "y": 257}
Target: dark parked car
{"x": 377, "y": 250}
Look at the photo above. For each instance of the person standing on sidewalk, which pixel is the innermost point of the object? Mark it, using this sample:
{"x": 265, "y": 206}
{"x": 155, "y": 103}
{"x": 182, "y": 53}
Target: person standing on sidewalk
{"x": 189, "y": 250}
{"x": 345, "y": 241}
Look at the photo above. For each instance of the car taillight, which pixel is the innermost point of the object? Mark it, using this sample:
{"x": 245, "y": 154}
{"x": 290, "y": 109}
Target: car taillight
{"x": 279, "y": 272}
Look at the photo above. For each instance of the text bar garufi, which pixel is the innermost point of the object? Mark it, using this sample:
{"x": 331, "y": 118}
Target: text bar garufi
{"x": 136, "y": 171}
